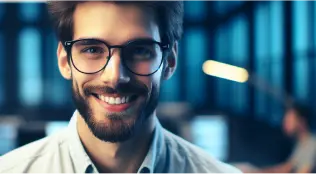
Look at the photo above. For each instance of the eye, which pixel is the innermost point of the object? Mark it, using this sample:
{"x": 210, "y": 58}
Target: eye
{"x": 142, "y": 53}
{"x": 93, "y": 50}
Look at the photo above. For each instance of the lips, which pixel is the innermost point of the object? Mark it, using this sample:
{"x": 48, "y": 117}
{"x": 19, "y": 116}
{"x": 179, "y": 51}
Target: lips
{"x": 116, "y": 99}
{"x": 112, "y": 100}
{"x": 115, "y": 103}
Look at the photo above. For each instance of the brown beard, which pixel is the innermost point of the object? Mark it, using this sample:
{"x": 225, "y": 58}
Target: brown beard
{"x": 118, "y": 129}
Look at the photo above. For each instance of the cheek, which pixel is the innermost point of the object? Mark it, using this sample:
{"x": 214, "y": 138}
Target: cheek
{"x": 150, "y": 81}
{"x": 79, "y": 81}
{"x": 157, "y": 77}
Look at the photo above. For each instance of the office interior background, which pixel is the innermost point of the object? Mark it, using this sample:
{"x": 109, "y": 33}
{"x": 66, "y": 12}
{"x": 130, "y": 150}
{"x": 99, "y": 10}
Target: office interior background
{"x": 274, "y": 41}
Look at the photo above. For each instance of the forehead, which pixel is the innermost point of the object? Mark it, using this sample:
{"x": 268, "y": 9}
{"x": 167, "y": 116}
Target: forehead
{"x": 115, "y": 23}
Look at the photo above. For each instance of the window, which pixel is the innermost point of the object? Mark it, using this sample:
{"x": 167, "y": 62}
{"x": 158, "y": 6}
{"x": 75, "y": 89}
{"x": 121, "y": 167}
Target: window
{"x": 261, "y": 54}
{"x": 301, "y": 78}
{"x": 240, "y": 56}
{"x": 222, "y": 7}
{"x": 231, "y": 44}
{"x": 221, "y": 55}
{"x": 30, "y": 86}
{"x": 195, "y": 53}
{"x": 300, "y": 26}
{"x": 260, "y": 93}
{"x": 261, "y": 32}
{"x": 195, "y": 10}
{"x": 221, "y": 39}
{"x": 55, "y": 85}
{"x": 301, "y": 45}
{"x": 210, "y": 132}
{"x": 29, "y": 11}
{"x": 276, "y": 98}
{"x": 277, "y": 30}
{"x": 276, "y": 61}
{"x": 269, "y": 52}
{"x": 240, "y": 40}
{"x": 277, "y": 44}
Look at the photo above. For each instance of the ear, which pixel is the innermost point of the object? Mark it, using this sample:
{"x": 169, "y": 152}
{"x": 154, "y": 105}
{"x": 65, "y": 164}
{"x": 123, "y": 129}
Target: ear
{"x": 171, "y": 62}
{"x": 63, "y": 65}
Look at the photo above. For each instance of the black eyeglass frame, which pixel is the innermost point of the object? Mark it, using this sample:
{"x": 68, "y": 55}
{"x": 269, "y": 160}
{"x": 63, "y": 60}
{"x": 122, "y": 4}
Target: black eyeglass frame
{"x": 164, "y": 48}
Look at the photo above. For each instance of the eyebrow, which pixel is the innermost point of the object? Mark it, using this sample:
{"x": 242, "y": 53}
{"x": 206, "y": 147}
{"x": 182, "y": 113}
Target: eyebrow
{"x": 105, "y": 41}
{"x": 87, "y": 41}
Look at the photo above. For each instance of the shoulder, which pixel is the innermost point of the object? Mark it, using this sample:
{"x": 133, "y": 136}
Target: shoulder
{"x": 33, "y": 154}
{"x": 195, "y": 159}
{"x": 313, "y": 139}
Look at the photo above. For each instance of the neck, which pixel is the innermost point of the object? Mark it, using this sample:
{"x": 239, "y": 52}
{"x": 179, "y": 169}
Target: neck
{"x": 115, "y": 157}
{"x": 303, "y": 135}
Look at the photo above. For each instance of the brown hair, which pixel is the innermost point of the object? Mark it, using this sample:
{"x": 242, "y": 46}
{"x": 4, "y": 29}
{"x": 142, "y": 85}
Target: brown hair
{"x": 168, "y": 15}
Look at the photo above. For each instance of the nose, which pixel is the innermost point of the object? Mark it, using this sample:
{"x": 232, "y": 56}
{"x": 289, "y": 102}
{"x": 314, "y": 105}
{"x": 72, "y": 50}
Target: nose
{"x": 115, "y": 73}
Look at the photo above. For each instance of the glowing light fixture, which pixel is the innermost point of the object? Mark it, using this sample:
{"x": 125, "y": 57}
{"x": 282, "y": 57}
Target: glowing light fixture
{"x": 225, "y": 71}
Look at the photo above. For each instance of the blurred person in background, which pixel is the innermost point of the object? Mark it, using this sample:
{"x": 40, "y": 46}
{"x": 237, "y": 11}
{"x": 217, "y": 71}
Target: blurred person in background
{"x": 116, "y": 54}
{"x": 297, "y": 124}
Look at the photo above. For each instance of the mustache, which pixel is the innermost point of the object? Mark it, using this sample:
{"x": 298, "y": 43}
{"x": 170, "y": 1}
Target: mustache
{"x": 126, "y": 88}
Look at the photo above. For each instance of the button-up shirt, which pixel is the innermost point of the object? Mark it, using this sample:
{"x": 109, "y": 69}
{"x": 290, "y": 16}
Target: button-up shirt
{"x": 64, "y": 152}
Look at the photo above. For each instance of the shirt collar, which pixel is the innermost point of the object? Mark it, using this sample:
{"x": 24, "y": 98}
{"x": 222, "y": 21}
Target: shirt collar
{"x": 154, "y": 152}
{"x": 79, "y": 155}
{"x": 83, "y": 163}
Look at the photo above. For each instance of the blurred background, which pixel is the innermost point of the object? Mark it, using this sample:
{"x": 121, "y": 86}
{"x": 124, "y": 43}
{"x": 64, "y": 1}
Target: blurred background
{"x": 235, "y": 113}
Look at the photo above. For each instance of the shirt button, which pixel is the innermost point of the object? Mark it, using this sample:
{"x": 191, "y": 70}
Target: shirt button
{"x": 144, "y": 170}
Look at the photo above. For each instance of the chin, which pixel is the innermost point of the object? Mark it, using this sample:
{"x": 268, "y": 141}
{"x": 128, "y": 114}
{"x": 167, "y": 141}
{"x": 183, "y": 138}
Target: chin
{"x": 113, "y": 118}
{"x": 111, "y": 128}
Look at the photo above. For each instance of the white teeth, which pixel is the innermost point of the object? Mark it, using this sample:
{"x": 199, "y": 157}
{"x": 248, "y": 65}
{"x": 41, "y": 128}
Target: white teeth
{"x": 118, "y": 100}
{"x": 114, "y": 100}
{"x": 100, "y": 97}
{"x": 123, "y": 100}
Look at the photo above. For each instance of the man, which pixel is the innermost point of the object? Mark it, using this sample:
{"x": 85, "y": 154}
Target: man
{"x": 116, "y": 54}
{"x": 297, "y": 123}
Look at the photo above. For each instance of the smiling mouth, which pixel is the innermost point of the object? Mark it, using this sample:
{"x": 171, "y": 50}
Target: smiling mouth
{"x": 118, "y": 100}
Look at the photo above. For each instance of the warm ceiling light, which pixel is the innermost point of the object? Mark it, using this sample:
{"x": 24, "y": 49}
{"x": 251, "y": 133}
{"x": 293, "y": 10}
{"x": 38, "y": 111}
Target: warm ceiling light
{"x": 225, "y": 71}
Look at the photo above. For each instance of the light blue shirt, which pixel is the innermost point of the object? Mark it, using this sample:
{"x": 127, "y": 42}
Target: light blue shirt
{"x": 63, "y": 152}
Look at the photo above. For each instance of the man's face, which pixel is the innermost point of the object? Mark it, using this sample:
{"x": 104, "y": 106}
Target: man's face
{"x": 113, "y": 102}
{"x": 290, "y": 123}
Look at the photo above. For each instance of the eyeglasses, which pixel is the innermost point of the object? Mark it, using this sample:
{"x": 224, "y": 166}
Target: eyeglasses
{"x": 142, "y": 56}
